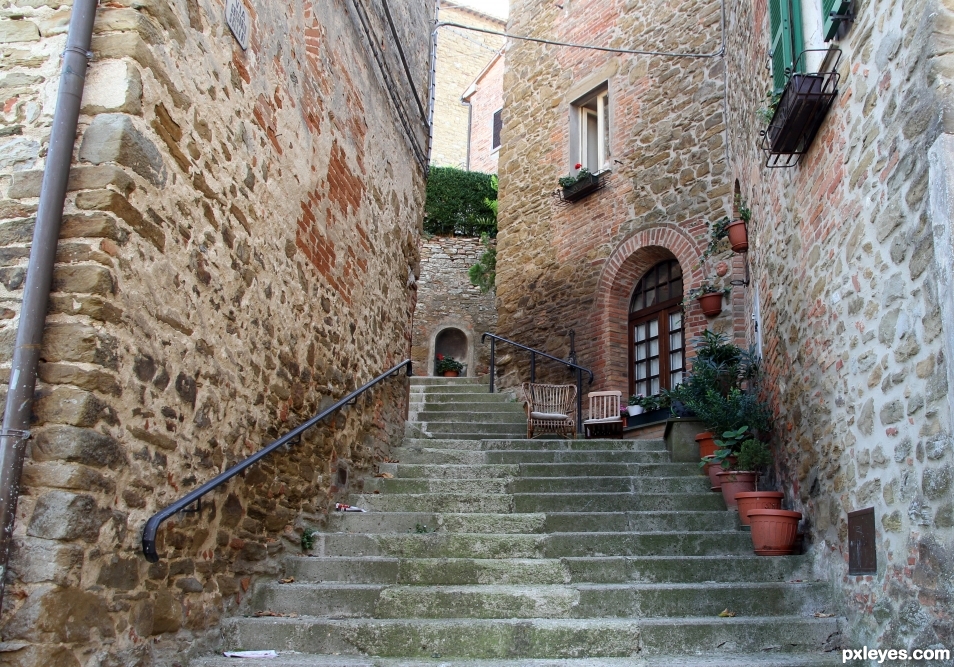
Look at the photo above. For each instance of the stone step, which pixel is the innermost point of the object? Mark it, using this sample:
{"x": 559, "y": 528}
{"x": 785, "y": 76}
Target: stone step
{"x": 409, "y": 522}
{"x": 605, "y": 569}
{"x": 551, "y": 545}
{"x": 522, "y": 444}
{"x": 447, "y": 389}
{"x": 441, "y": 455}
{"x": 534, "y": 638}
{"x": 456, "y": 471}
{"x": 474, "y": 420}
{"x": 441, "y": 381}
{"x": 537, "y": 502}
{"x": 673, "y": 485}
{"x": 478, "y": 403}
{"x": 295, "y": 659}
{"x": 531, "y": 601}
{"x": 465, "y": 431}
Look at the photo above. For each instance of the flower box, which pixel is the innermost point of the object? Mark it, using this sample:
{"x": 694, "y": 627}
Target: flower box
{"x": 585, "y": 186}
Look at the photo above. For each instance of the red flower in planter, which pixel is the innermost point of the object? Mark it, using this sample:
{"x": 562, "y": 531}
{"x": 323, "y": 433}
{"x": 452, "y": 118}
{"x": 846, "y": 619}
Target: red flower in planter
{"x": 577, "y": 165}
{"x": 440, "y": 357}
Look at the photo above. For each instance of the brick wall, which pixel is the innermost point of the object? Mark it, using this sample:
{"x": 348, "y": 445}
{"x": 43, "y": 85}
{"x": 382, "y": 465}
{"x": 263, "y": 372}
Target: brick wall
{"x": 848, "y": 276}
{"x": 447, "y": 300}
{"x": 485, "y": 101}
{"x": 564, "y": 267}
{"x": 461, "y": 56}
{"x": 219, "y": 280}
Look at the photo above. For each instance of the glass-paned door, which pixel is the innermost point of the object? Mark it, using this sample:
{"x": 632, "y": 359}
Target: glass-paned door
{"x": 657, "y": 341}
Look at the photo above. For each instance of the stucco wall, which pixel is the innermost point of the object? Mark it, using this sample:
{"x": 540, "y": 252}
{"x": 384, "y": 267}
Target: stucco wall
{"x": 219, "y": 280}
{"x": 486, "y": 100}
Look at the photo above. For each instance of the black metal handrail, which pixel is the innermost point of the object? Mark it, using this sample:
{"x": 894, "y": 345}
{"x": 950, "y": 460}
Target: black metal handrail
{"x": 533, "y": 370}
{"x": 152, "y": 525}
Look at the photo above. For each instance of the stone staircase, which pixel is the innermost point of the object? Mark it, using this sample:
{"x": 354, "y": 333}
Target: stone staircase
{"x": 489, "y": 549}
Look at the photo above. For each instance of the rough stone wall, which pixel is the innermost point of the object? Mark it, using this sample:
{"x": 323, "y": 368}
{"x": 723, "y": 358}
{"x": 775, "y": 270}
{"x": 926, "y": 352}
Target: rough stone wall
{"x": 575, "y": 267}
{"x": 461, "y": 56}
{"x": 851, "y": 303}
{"x": 447, "y": 299}
{"x": 486, "y": 100}
{"x": 219, "y": 280}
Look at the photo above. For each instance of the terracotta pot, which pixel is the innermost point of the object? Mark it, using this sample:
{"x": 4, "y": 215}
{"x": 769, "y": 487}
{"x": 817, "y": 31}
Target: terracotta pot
{"x": 451, "y": 374}
{"x": 774, "y": 531}
{"x": 711, "y": 304}
{"x": 757, "y": 500}
{"x": 738, "y": 236}
{"x": 735, "y": 481}
{"x": 707, "y": 446}
{"x": 713, "y": 471}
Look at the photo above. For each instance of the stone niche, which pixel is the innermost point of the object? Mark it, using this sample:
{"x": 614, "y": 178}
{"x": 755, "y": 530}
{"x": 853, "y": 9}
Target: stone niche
{"x": 452, "y": 342}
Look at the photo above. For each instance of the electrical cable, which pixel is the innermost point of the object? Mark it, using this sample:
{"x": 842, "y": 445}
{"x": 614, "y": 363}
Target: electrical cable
{"x": 407, "y": 69}
{"x": 592, "y": 47}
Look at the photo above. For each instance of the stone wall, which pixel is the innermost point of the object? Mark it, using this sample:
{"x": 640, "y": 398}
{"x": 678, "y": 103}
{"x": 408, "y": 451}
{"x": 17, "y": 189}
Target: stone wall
{"x": 574, "y": 267}
{"x": 461, "y": 56}
{"x": 219, "y": 280}
{"x": 447, "y": 300}
{"x": 851, "y": 294}
{"x": 485, "y": 101}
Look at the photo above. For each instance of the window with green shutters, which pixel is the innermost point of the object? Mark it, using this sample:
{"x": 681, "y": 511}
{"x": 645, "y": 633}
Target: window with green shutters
{"x": 836, "y": 7}
{"x": 786, "y": 22}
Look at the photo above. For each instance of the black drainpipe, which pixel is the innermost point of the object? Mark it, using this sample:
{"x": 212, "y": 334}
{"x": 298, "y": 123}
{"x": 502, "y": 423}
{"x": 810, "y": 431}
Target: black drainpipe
{"x": 36, "y": 292}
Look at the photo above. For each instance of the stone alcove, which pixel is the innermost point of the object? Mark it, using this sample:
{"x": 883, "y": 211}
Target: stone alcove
{"x": 453, "y": 342}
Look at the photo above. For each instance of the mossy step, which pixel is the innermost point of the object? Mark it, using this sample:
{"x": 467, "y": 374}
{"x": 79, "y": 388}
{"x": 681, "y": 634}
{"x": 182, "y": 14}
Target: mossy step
{"x": 679, "y": 485}
{"x": 450, "y": 428}
{"x": 534, "y": 638}
{"x": 439, "y": 456}
{"x": 555, "y": 545}
{"x": 440, "y": 380}
{"x": 475, "y": 420}
{"x": 346, "y": 600}
{"x": 616, "y": 502}
{"x": 408, "y": 522}
{"x": 294, "y": 659}
{"x": 613, "y": 569}
{"x": 478, "y": 403}
{"x": 458, "y": 471}
{"x": 523, "y": 444}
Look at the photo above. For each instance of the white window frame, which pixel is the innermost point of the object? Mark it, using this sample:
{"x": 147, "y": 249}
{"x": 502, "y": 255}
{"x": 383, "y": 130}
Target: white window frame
{"x": 578, "y": 128}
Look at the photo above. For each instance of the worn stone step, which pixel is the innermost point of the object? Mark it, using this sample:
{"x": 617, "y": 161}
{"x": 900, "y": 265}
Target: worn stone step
{"x": 682, "y": 484}
{"x": 480, "y": 503}
{"x": 441, "y": 381}
{"x": 522, "y": 444}
{"x": 541, "y": 601}
{"x": 557, "y": 522}
{"x": 476, "y": 420}
{"x": 553, "y": 545}
{"x": 449, "y": 471}
{"x": 294, "y": 659}
{"x": 440, "y": 456}
{"x": 467, "y": 431}
{"x": 616, "y": 502}
{"x": 605, "y": 569}
{"x": 457, "y": 471}
{"x": 533, "y": 638}
{"x": 398, "y": 485}
{"x": 478, "y": 403}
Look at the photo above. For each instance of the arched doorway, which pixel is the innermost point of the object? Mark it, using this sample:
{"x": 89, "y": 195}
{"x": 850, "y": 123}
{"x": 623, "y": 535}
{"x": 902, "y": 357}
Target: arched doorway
{"x": 656, "y": 330}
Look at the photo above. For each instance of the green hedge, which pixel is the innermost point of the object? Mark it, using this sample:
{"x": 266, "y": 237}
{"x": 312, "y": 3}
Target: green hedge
{"x": 460, "y": 202}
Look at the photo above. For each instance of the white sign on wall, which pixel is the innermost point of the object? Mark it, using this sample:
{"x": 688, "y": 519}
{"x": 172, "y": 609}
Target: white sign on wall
{"x": 237, "y": 19}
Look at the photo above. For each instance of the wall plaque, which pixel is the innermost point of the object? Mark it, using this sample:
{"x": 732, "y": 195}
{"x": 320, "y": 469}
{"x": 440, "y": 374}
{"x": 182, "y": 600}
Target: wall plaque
{"x": 237, "y": 19}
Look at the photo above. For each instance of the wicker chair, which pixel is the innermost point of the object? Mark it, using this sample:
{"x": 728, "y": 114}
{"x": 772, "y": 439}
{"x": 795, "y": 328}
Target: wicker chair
{"x": 604, "y": 418}
{"x": 550, "y": 408}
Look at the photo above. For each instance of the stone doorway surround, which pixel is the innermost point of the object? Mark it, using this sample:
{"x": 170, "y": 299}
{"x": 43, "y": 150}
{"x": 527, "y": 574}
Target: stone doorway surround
{"x": 456, "y": 338}
{"x": 627, "y": 264}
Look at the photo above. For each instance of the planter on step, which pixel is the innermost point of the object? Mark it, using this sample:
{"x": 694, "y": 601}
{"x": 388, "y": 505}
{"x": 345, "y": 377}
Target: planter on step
{"x": 774, "y": 531}
{"x": 634, "y": 410}
{"x": 736, "y": 481}
{"x": 707, "y": 446}
{"x": 451, "y": 374}
{"x": 757, "y": 500}
{"x": 713, "y": 471}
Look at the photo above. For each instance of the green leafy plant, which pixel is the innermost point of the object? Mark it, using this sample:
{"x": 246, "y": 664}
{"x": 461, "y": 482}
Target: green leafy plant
{"x": 745, "y": 213}
{"x": 483, "y": 274}
{"x": 308, "y": 539}
{"x": 460, "y": 202}
{"x": 767, "y": 113}
{"x": 754, "y": 454}
{"x": 571, "y": 180}
{"x": 707, "y": 287}
{"x": 422, "y": 529}
{"x": 445, "y": 364}
{"x": 718, "y": 231}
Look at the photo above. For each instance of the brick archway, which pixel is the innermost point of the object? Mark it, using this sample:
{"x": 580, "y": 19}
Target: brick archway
{"x": 631, "y": 259}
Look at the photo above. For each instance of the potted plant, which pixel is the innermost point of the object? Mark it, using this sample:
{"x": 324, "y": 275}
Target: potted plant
{"x": 774, "y": 531}
{"x": 709, "y": 297}
{"x": 737, "y": 230}
{"x": 575, "y": 187}
{"x": 448, "y": 366}
{"x": 754, "y": 455}
{"x": 635, "y": 406}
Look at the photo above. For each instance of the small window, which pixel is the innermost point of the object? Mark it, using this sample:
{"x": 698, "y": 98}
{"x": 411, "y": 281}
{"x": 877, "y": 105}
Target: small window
{"x": 498, "y": 126}
{"x": 787, "y": 41}
{"x": 590, "y": 131}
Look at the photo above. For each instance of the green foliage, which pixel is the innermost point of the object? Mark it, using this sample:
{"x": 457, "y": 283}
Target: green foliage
{"x": 567, "y": 181}
{"x": 718, "y": 231}
{"x": 447, "y": 364}
{"x": 421, "y": 529}
{"x": 308, "y": 539}
{"x": 767, "y": 113}
{"x": 754, "y": 454}
{"x": 483, "y": 274}
{"x": 460, "y": 202}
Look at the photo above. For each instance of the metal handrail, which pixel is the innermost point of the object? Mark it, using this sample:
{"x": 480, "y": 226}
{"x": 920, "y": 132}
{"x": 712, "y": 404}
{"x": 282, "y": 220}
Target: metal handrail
{"x": 152, "y": 525}
{"x": 533, "y": 370}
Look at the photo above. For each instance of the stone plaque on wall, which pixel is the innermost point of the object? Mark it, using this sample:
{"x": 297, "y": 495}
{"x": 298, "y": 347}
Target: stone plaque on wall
{"x": 236, "y": 17}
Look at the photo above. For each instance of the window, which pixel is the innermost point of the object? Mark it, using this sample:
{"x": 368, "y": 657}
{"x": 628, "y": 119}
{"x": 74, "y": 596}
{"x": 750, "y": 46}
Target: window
{"x": 589, "y": 125}
{"x": 786, "y": 24}
{"x": 657, "y": 345}
{"x": 498, "y": 126}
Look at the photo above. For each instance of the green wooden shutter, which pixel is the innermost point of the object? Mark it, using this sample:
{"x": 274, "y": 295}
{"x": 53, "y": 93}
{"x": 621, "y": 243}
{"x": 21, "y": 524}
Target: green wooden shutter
{"x": 831, "y": 25}
{"x": 785, "y": 18}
